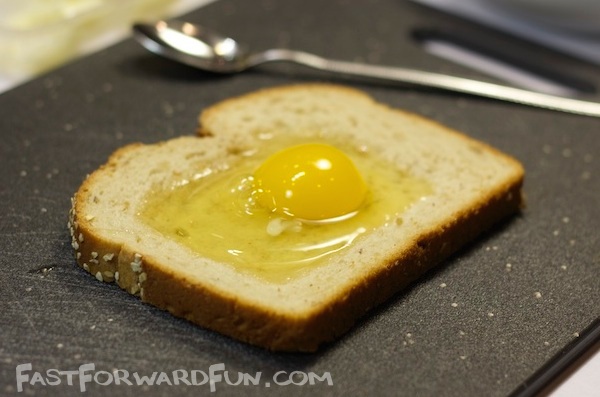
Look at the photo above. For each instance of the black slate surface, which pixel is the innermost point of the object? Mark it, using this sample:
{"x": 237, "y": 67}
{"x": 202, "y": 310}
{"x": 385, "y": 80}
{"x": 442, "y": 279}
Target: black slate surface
{"x": 480, "y": 325}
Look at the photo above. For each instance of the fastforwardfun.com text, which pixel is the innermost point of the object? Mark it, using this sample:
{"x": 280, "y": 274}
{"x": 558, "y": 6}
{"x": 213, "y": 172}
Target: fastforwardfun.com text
{"x": 87, "y": 374}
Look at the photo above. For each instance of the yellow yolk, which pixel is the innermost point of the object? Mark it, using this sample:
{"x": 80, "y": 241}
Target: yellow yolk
{"x": 313, "y": 181}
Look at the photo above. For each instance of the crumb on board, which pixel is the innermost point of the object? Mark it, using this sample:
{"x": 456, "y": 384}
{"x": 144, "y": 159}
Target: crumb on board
{"x": 547, "y": 149}
{"x": 408, "y": 339}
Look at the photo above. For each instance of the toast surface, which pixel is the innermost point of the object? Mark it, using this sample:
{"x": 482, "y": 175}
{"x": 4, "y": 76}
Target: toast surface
{"x": 474, "y": 187}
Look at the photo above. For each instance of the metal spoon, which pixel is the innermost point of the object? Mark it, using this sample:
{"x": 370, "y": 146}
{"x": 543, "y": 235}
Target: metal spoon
{"x": 208, "y": 50}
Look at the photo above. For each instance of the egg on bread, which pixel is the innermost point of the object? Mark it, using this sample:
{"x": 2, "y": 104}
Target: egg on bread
{"x": 294, "y": 211}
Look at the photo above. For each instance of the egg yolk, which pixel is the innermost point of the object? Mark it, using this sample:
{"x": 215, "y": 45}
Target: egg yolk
{"x": 311, "y": 181}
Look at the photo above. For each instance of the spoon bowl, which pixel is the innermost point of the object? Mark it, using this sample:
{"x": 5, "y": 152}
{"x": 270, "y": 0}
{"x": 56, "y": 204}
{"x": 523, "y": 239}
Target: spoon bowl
{"x": 205, "y": 49}
{"x": 193, "y": 45}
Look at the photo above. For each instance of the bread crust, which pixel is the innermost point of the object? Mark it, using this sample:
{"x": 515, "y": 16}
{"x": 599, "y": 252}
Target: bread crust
{"x": 141, "y": 274}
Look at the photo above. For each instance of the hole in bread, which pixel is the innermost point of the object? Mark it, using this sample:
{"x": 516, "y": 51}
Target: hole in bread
{"x": 236, "y": 150}
{"x": 423, "y": 244}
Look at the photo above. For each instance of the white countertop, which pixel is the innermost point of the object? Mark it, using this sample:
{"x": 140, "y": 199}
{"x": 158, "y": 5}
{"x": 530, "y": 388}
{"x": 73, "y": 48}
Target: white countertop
{"x": 581, "y": 380}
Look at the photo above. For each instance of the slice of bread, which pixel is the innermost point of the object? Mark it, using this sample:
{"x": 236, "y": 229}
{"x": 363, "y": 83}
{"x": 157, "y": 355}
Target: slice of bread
{"x": 475, "y": 186}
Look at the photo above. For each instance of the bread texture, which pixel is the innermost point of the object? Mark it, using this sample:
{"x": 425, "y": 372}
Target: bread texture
{"x": 475, "y": 187}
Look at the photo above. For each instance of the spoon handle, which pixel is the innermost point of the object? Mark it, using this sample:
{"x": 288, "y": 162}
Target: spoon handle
{"x": 434, "y": 80}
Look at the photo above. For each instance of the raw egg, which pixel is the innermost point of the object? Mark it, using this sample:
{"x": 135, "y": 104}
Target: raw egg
{"x": 285, "y": 209}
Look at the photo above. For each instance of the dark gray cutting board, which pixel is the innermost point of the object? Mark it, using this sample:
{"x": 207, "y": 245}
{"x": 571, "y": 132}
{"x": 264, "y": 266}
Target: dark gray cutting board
{"x": 63, "y": 125}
